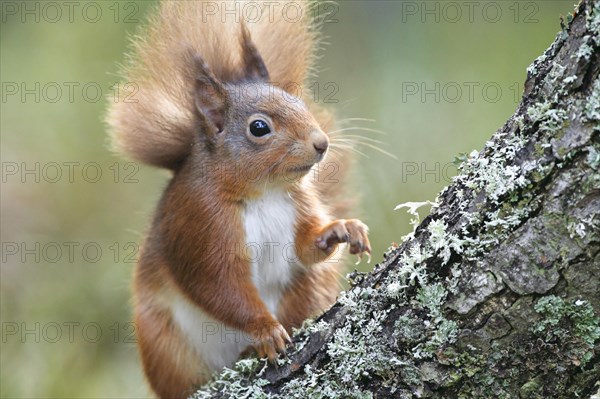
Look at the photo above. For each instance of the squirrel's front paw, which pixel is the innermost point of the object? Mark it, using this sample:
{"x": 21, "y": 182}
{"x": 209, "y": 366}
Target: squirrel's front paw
{"x": 352, "y": 231}
{"x": 270, "y": 339}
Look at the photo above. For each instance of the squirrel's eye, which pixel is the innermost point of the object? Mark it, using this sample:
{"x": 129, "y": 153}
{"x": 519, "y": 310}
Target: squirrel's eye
{"x": 259, "y": 128}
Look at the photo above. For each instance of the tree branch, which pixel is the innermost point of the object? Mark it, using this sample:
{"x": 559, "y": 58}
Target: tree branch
{"x": 497, "y": 294}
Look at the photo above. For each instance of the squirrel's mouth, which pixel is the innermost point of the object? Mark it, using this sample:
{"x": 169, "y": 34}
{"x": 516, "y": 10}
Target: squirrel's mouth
{"x": 301, "y": 168}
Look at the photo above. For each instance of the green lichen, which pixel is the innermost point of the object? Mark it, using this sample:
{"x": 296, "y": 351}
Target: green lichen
{"x": 316, "y": 385}
{"x": 412, "y": 209}
{"x": 409, "y": 329}
{"x": 236, "y": 381}
{"x": 432, "y": 297}
{"x": 314, "y": 327}
{"x": 593, "y": 22}
{"x": 579, "y": 227}
{"x": 476, "y": 370}
{"x": 593, "y": 158}
{"x": 443, "y": 242}
{"x": 444, "y": 333}
{"x": 412, "y": 268}
{"x": 549, "y": 119}
{"x": 357, "y": 352}
{"x": 576, "y": 324}
{"x": 532, "y": 70}
{"x": 395, "y": 290}
{"x": 556, "y": 74}
{"x": 491, "y": 173}
{"x": 531, "y": 389}
{"x": 585, "y": 50}
{"x": 411, "y": 375}
{"x": 592, "y": 105}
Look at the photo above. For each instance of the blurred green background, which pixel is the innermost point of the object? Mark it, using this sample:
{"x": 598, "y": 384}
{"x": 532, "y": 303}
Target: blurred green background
{"x": 438, "y": 77}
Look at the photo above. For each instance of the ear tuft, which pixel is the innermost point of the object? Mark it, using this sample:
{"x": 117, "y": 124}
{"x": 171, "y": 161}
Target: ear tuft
{"x": 210, "y": 97}
{"x": 254, "y": 68}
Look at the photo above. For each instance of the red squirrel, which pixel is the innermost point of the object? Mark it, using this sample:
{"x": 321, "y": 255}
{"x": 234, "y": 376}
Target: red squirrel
{"x": 244, "y": 243}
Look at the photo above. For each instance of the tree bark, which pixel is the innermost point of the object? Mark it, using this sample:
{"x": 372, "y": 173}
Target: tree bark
{"x": 497, "y": 292}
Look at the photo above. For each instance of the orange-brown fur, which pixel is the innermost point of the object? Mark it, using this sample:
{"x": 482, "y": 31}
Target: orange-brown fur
{"x": 191, "y": 116}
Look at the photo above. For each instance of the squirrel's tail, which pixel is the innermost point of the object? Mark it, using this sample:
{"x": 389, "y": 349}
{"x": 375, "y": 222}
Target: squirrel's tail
{"x": 153, "y": 119}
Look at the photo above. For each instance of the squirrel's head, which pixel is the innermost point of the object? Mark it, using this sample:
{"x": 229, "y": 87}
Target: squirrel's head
{"x": 266, "y": 133}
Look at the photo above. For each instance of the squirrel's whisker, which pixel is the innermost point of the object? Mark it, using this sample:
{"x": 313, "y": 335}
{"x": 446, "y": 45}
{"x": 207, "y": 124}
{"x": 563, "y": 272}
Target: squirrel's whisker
{"x": 342, "y": 121}
{"x": 350, "y": 148}
{"x": 359, "y": 140}
{"x": 364, "y": 129}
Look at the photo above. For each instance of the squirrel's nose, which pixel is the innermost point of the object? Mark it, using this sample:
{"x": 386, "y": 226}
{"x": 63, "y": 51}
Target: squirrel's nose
{"x": 321, "y": 146}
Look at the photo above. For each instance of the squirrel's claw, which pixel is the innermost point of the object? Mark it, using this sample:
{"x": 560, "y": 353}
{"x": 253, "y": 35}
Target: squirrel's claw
{"x": 271, "y": 343}
{"x": 360, "y": 257}
{"x": 351, "y": 231}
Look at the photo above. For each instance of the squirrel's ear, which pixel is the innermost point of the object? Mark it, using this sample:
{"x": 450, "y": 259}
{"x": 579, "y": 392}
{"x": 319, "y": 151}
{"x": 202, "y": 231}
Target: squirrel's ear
{"x": 254, "y": 68}
{"x": 211, "y": 98}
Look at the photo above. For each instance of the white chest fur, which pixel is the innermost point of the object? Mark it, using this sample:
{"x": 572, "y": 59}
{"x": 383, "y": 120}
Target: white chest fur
{"x": 269, "y": 224}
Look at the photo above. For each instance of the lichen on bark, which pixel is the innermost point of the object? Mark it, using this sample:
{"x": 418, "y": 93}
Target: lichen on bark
{"x": 497, "y": 292}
